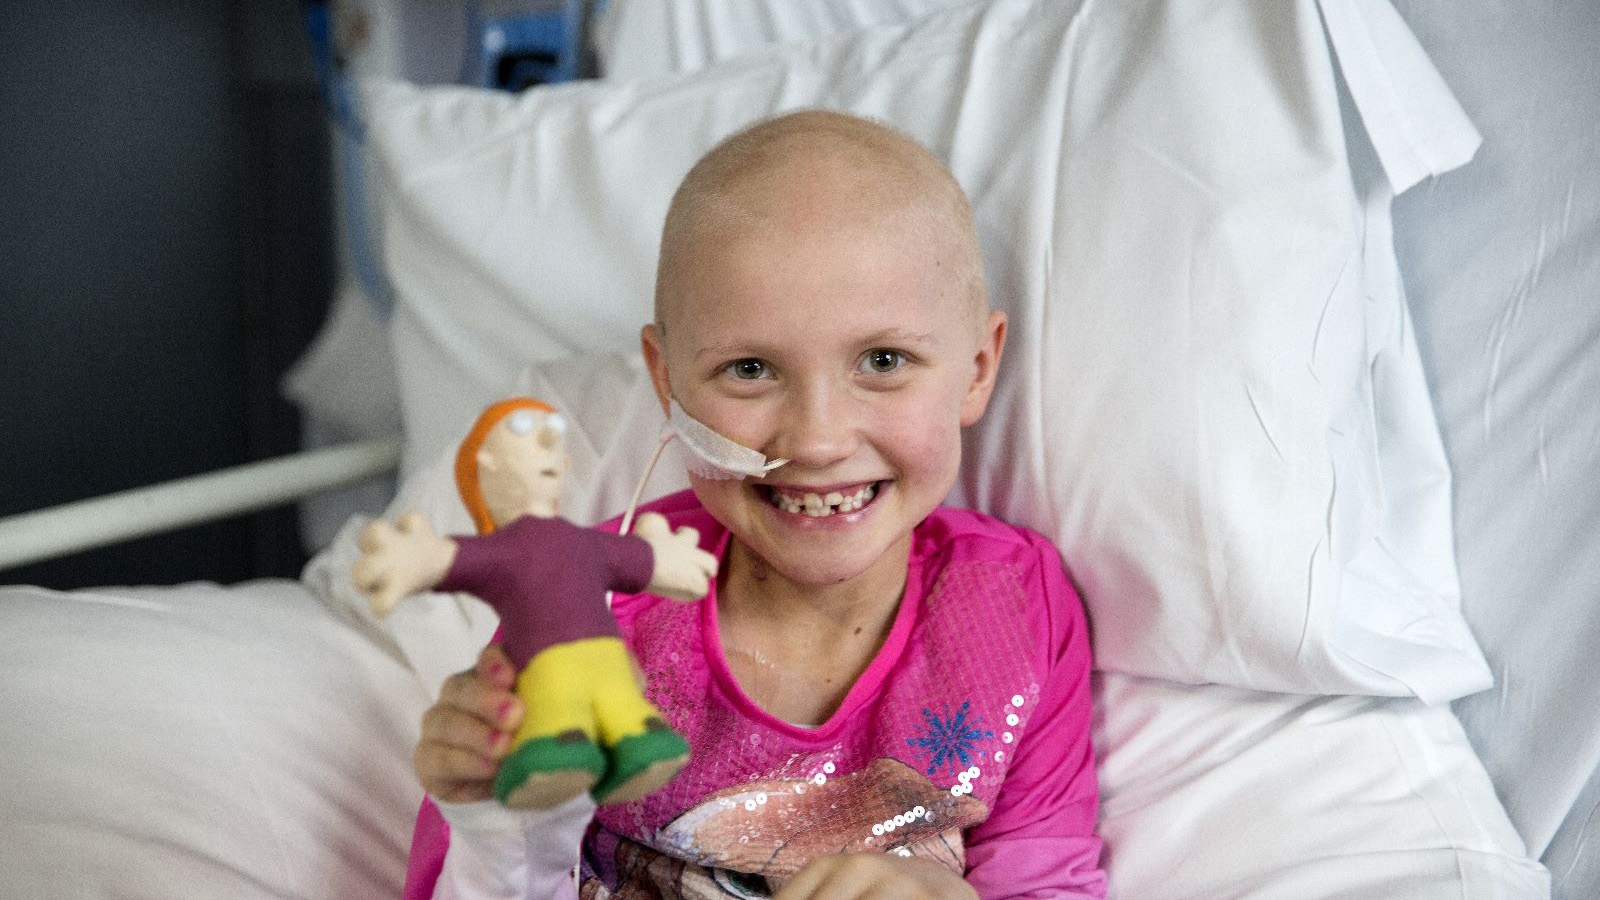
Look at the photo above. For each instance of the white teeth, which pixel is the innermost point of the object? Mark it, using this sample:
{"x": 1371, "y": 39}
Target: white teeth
{"x": 821, "y": 506}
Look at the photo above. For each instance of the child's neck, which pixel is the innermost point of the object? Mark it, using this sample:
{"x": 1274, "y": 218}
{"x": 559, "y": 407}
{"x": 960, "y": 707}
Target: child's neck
{"x": 796, "y": 649}
{"x": 754, "y": 590}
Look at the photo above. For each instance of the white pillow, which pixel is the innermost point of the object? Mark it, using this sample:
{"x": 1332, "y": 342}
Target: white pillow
{"x": 1208, "y": 337}
{"x": 644, "y": 38}
{"x": 1212, "y": 793}
{"x": 201, "y": 742}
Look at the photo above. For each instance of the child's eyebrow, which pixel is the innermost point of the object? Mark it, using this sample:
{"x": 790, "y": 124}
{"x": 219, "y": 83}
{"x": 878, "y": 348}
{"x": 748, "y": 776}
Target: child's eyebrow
{"x": 721, "y": 351}
{"x": 886, "y": 337}
{"x": 900, "y": 336}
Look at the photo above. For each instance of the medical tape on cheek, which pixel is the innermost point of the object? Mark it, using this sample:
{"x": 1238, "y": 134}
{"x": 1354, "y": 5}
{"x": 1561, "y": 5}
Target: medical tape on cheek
{"x": 711, "y": 455}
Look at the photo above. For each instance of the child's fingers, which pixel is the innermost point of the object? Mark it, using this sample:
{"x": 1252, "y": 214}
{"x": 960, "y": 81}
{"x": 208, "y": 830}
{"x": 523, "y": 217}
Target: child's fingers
{"x": 472, "y": 693}
{"x": 466, "y": 733}
{"x": 803, "y": 886}
{"x": 447, "y": 726}
{"x": 485, "y": 691}
{"x": 495, "y": 667}
{"x": 830, "y": 877}
{"x": 874, "y": 876}
{"x": 453, "y": 774}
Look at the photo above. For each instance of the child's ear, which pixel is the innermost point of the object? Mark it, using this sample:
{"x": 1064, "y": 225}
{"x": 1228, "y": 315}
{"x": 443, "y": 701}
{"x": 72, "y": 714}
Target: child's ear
{"x": 655, "y": 358}
{"x": 991, "y": 346}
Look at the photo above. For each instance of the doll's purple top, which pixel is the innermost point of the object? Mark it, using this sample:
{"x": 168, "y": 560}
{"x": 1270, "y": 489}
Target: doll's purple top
{"x": 966, "y": 739}
{"x": 547, "y": 578}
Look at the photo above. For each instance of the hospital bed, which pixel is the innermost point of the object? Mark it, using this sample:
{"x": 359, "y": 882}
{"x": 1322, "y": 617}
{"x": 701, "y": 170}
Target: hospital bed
{"x": 1433, "y": 405}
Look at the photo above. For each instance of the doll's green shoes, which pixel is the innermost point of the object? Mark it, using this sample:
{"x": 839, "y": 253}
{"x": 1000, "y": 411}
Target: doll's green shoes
{"x": 640, "y": 764}
{"x": 548, "y": 771}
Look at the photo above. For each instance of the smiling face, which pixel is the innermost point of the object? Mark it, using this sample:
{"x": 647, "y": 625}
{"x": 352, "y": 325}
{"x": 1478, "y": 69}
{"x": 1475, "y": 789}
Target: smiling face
{"x": 821, "y": 319}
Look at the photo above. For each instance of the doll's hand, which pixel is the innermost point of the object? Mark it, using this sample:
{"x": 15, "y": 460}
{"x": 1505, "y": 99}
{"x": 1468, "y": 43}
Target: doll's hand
{"x": 682, "y": 570}
{"x": 468, "y": 732}
{"x": 400, "y": 560}
{"x": 874, "y": 876}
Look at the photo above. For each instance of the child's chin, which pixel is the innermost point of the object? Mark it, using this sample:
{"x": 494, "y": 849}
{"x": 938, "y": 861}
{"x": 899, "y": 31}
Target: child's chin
{"x": 826, "y": 574}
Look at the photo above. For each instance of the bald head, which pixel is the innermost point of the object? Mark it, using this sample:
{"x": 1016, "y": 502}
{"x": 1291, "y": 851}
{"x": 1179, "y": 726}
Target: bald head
{"x": 808, "y": 170}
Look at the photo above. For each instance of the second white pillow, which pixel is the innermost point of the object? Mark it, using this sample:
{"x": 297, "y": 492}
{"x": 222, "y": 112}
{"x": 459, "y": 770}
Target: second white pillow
{"x": 1211, "y": 400}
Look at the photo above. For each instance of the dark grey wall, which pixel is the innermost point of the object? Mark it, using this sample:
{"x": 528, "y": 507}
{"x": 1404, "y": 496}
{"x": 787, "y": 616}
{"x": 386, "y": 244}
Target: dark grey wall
{"x": 164, "y": 235}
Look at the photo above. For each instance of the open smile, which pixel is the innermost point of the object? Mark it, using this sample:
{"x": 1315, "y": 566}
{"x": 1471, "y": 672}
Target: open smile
{"x": 820, "y": 503}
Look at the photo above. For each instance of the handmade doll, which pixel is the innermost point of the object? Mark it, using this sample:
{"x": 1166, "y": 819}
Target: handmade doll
{"x": 586, "y": 726}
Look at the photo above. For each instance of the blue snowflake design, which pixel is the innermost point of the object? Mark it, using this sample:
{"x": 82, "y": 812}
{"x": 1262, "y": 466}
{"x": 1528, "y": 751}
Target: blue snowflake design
{"x": 950, "y": 741}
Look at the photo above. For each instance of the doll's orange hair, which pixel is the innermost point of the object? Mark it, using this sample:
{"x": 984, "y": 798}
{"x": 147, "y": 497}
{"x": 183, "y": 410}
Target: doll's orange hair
{"x": 467, "y": 456}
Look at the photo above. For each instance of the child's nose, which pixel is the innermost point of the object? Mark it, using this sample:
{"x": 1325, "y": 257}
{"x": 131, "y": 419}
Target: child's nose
{"x": 818, "y": 428}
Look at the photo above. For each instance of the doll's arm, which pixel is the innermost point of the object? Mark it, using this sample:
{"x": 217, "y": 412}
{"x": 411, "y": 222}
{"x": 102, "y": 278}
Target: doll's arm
{"x": 400, "y": 560}
{"x": 681, "y": 570}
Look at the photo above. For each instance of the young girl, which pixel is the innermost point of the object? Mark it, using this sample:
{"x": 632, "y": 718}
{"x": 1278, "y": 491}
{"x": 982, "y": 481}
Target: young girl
{"x": 884, "y": 698}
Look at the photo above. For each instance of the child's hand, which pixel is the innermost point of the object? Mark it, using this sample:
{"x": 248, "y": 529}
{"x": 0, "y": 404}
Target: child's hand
{"x": 399, "y": 560}
{"x": 682, "y": 570}
{"x": 468, "y": 732}
{"x": 874, "y": 876}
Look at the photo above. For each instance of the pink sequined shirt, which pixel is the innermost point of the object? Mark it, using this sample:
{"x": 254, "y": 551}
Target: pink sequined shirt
{"x": 965, "y": 740}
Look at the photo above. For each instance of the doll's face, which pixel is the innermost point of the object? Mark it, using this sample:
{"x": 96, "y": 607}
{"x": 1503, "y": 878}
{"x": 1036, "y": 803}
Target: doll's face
{"x": 521, "y": 465}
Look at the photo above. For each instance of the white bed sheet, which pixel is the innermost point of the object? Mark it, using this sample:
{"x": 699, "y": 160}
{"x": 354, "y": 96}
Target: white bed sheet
{"x": 1217, "y": 793}
{"x": 253, "y": 742}
{"x": 1502, "y": 263}
{"x": 200, "y": 741}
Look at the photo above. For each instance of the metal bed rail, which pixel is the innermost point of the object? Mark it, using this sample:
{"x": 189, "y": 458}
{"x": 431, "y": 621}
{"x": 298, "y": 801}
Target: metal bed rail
{"x": 100, "y": 521}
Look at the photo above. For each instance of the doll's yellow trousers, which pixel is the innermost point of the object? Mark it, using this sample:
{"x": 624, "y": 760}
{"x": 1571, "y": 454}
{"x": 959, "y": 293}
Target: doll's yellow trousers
{"x": 585, "y": 685}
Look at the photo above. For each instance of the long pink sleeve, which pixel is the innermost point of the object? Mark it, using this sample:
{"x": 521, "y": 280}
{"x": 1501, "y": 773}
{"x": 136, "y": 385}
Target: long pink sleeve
{"x": 1039, "y": 842}
{"x": 429, "y": 842}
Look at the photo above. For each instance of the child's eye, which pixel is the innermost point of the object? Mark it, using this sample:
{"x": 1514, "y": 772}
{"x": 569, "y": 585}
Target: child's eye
{"x": 882, "y": 361}
{"x": 748, "y": 369}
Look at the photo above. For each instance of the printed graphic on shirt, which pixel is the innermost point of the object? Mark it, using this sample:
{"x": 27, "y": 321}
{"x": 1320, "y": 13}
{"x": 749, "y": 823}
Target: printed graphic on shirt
{"x": 952, "y": 741}
{"x": 747, "y": 840}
